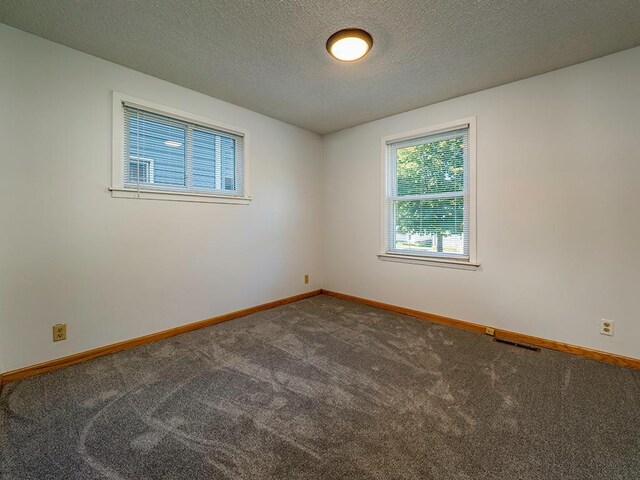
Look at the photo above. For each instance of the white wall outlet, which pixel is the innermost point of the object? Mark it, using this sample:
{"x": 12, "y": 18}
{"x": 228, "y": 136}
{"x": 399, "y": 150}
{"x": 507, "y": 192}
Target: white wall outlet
{"x": 606, "y": 327}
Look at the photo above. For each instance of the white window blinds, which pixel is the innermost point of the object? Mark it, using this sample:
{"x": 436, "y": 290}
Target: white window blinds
{"x": 168, "y": 154}
{"x": 428, "y": 195}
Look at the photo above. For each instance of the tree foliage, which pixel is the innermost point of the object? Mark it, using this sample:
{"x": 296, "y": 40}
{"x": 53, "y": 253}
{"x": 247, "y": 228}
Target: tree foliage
{"x": 436, "y": 167}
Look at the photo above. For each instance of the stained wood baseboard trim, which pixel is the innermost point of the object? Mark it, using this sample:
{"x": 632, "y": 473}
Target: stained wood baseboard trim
{"x": 50, "y": 365}
{"x": 499, "y": 333}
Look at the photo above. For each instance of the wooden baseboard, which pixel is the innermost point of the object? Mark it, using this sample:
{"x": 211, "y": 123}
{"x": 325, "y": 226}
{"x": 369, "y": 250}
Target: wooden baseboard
{"x": 32, "y": 370}
{"x": 499, "y": 333}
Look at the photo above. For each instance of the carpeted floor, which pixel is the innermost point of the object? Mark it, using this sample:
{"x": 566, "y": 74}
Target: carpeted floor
{"x": 325, "y": 389}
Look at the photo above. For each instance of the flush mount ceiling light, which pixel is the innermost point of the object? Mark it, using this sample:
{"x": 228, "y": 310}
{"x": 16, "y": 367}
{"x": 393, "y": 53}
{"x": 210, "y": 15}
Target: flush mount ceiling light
{"x": 349, "y": 45}
{"x": 172, "y": 143}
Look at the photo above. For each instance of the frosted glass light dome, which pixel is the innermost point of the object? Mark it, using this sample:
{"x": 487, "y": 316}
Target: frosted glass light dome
{"x": 349, "y": 45}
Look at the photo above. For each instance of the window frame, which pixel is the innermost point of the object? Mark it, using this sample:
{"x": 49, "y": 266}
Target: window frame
{"x": 118, "y": 188}
{"x": 425, "y": 259}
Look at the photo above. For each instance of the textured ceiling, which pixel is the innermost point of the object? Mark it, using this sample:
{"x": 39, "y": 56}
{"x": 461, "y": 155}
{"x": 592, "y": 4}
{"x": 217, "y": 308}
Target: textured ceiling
{"x": 269, "y": 55}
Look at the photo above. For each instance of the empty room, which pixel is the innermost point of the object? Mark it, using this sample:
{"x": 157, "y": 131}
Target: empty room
{"x": 304, "y": 239}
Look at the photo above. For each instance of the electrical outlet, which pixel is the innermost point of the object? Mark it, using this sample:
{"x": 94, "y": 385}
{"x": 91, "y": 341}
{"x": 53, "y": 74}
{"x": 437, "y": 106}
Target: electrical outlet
{"x": 490, "y": 331}
{"x": 306, "y": 279}
{"x": 59, "y": 332}
{"x": 606, "y": 327}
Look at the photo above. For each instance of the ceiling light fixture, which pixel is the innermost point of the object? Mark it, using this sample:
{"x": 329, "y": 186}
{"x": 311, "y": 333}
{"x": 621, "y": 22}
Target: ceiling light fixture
{"x": 171, "y": 143}
{"x": 349, "y": 45}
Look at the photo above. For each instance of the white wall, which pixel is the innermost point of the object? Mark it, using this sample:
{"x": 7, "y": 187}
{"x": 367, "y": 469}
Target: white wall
{"x": 558, "y": 208}
{"x": 114, "y": 269}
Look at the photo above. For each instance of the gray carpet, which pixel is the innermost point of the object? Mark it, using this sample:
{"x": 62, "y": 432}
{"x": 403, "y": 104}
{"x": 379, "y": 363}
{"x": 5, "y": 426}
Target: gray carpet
{"x": 325, "y": 389}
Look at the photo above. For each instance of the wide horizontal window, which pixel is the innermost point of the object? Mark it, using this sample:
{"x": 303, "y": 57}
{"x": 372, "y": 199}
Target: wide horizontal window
{"x": 166, "y": 153}
{"x": 428, "y": 197}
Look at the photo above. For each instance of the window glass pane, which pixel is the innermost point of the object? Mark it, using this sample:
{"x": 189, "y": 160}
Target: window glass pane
{"x": 228, "y": 158}
{"x": 433, "y": 226}
{"x": 156, "y": 151}
{"x": 213, "y": 161}
{"x": 431, "y": 167}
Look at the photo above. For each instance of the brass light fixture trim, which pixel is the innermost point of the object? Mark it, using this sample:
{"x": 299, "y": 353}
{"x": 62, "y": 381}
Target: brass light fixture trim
{"x": 349, "y": 45}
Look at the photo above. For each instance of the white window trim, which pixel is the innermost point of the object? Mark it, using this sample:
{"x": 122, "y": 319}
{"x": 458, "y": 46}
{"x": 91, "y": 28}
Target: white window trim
{"x": 470, "y": 264}
{"x": 118, "y": 190}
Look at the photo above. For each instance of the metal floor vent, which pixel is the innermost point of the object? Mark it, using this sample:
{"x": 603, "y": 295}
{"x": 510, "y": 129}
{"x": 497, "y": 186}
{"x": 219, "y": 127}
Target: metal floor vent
{"x": 521, "y": 345}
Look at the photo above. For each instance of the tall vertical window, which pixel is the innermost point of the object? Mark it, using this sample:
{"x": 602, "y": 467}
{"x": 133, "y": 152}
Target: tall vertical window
{"x": 164, "y": 152}
{"x": 429, "y": 195}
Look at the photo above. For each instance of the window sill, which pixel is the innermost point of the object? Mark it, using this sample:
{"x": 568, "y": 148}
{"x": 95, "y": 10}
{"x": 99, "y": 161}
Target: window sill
{"x": 435, "y": 262}
{"x": 117, "y": 192}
